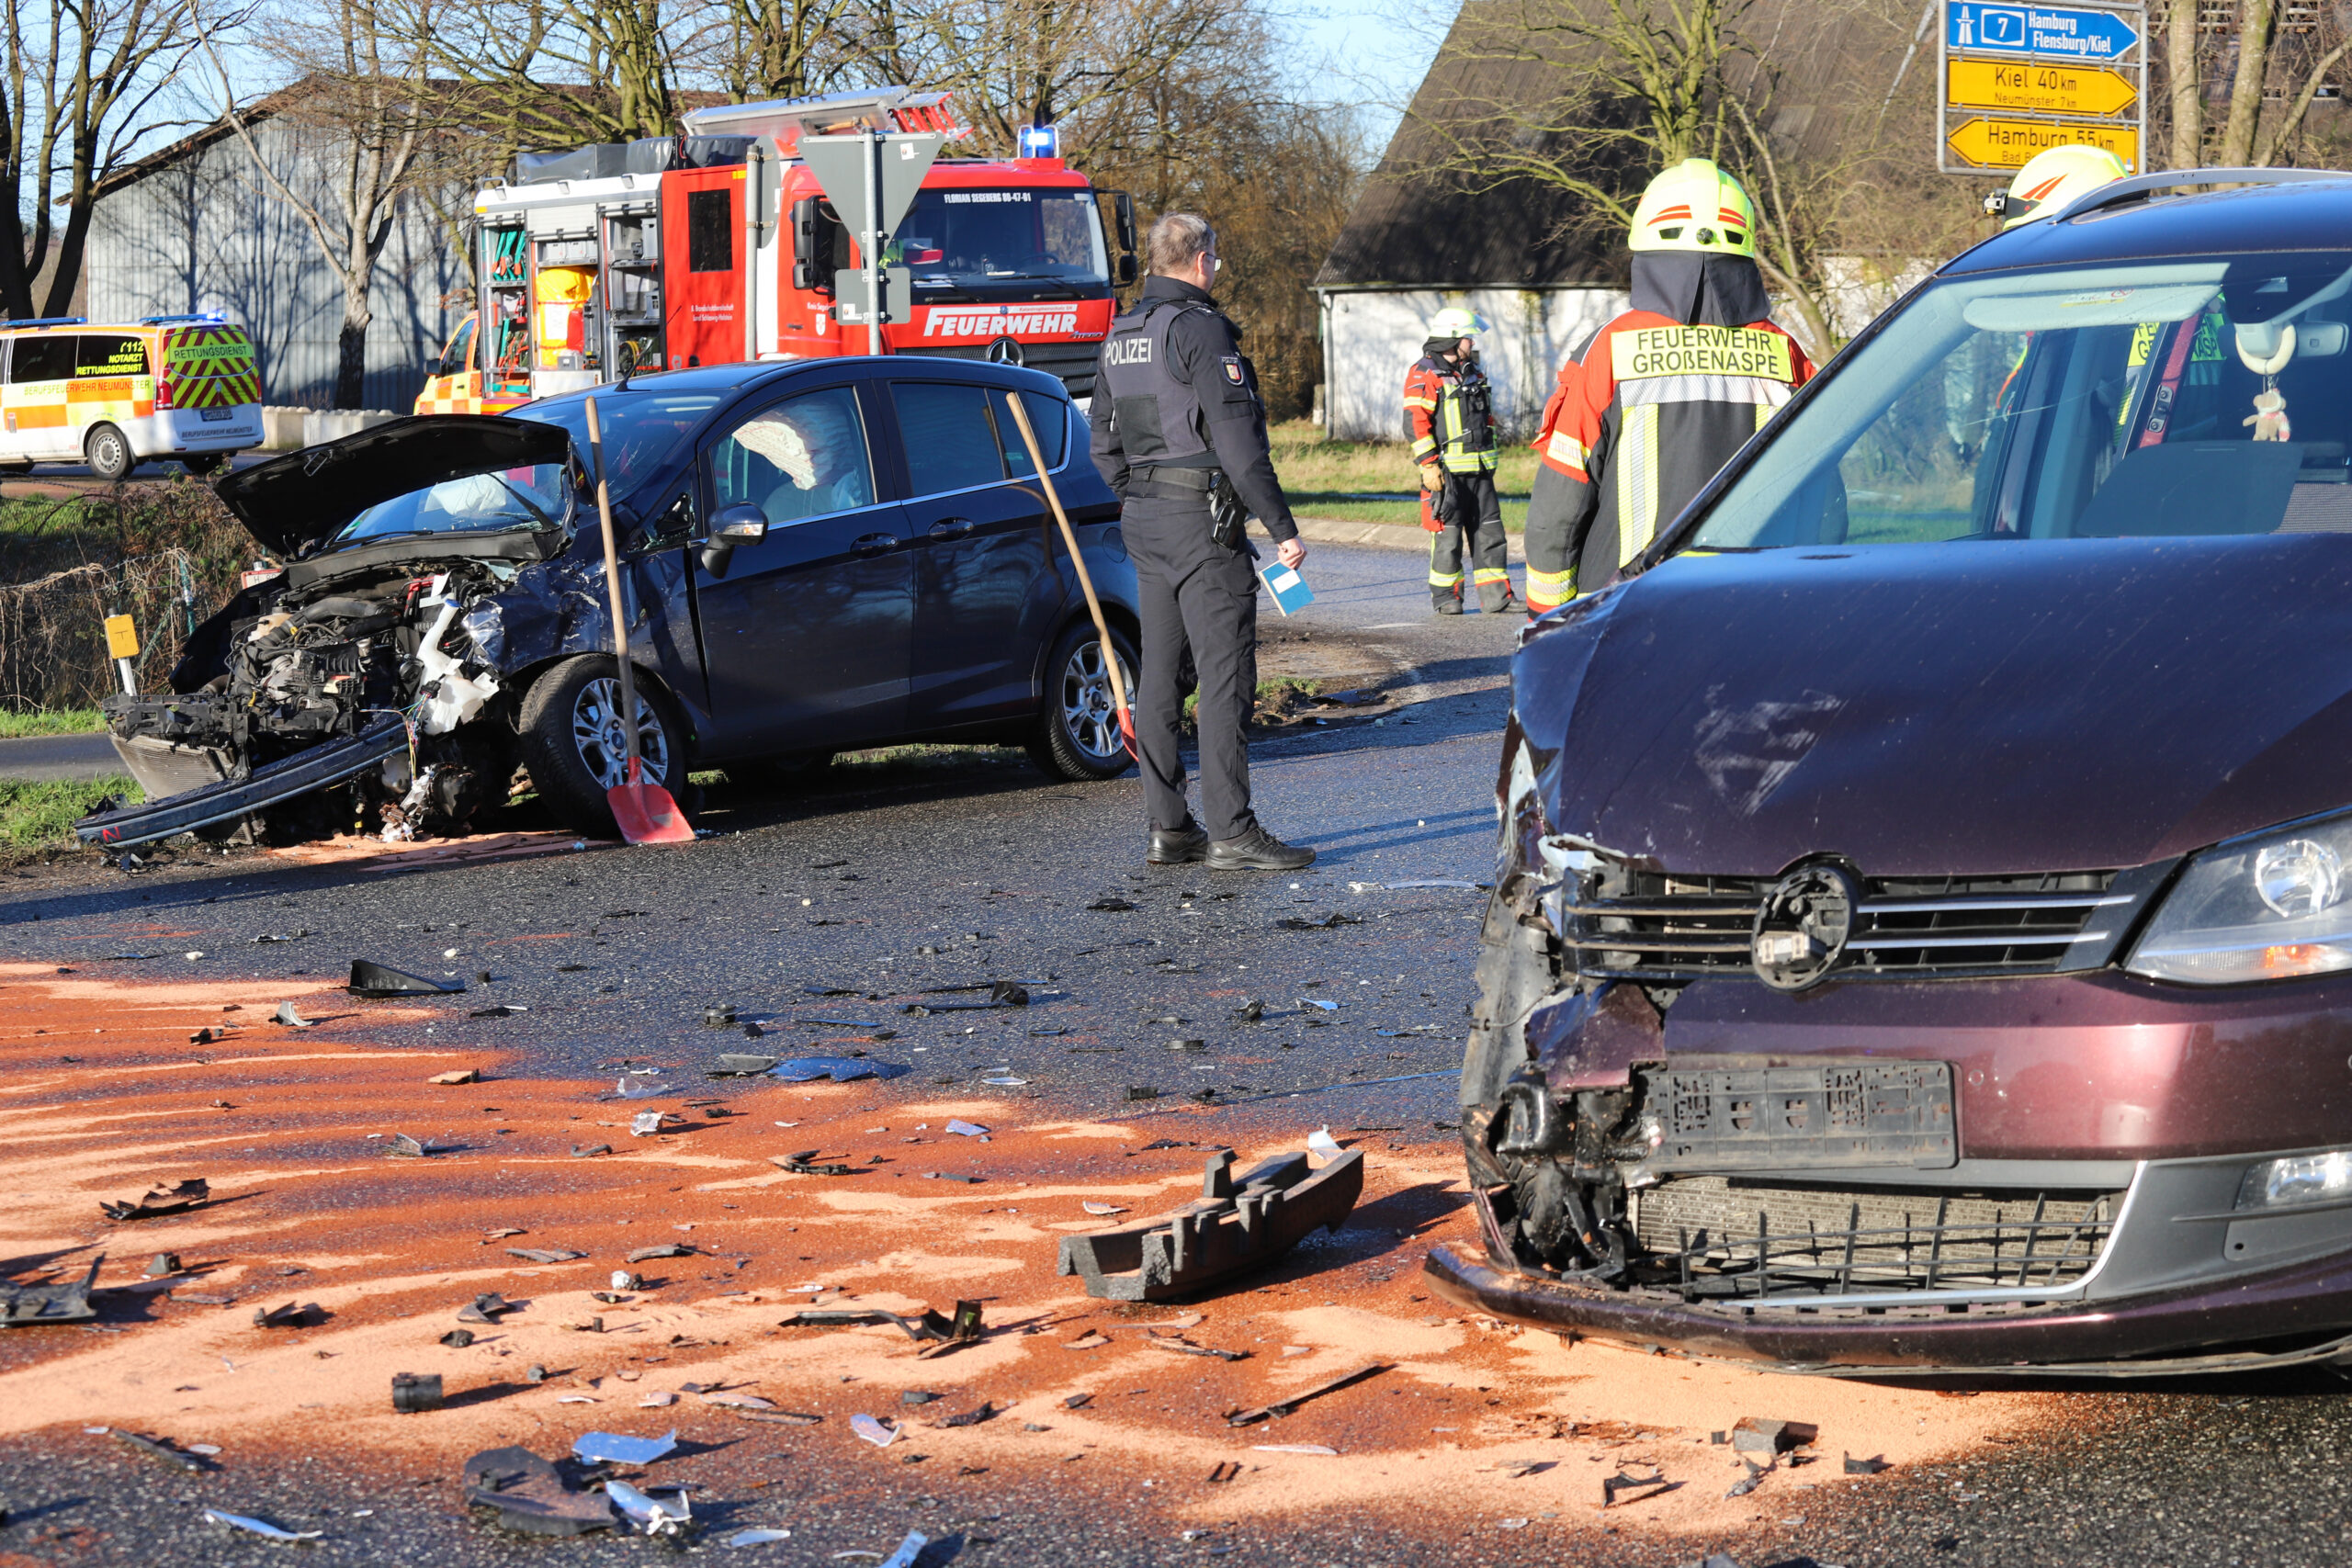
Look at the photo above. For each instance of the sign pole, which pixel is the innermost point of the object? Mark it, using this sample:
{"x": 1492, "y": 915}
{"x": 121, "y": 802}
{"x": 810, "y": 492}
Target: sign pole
{"x": 872, "y": 245}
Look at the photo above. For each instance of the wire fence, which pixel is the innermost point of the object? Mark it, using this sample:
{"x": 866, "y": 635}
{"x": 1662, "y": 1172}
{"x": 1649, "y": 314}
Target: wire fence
{"x": 52, "y": 631}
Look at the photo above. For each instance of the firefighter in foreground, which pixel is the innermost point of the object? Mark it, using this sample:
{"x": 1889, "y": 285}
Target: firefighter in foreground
{"x": 1660, "y": 398}
{"x": 1178, "y": 433}
{"x": 1450, "y": 419}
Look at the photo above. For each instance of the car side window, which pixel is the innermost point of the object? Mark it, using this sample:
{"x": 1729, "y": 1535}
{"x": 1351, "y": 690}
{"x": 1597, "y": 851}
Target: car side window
{"x": 1048, "y": 416}
{"x": 43, "y": 357}
{"x": 106, "y": 357}
{"x": 806, "y": 456}
{"x": 950, "y": 438}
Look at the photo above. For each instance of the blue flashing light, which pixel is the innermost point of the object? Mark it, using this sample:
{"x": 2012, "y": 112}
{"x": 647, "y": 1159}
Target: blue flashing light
{"x": 1041, "y": 141}
{"x": 47, "y": 322}
{"x": 208, "y": 318}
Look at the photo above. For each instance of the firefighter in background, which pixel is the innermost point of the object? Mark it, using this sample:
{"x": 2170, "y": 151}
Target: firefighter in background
{"x": 2051, "y": 181}
{"x": 1449, "y": 417}
{"x": 1660, "y": 399}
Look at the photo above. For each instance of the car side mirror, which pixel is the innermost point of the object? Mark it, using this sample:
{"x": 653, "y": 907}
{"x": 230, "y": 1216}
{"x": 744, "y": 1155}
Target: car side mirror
{"x": 742, "y": 524}
{"x": 1126, "y": 269}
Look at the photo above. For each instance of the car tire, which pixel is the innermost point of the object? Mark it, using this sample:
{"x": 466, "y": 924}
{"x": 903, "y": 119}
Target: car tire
{"x": 108, "y": 452}
{"x": 573, "y": 744}
{"x": 783, "y": 774}
{"x": 1077, "y": 735}
{"x": 203, "y": 463}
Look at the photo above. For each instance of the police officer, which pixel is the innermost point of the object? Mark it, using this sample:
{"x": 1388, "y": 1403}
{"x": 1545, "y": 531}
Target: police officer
{"x": 1450, "y": 419}
{"x": 1660, "y": 399}
{"x": 1179, "y": 434}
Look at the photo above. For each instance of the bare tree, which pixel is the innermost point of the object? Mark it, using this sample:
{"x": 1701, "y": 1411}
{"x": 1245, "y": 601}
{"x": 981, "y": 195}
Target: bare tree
{"x": 363, "y": 113}
{"x": 82, "y": 78}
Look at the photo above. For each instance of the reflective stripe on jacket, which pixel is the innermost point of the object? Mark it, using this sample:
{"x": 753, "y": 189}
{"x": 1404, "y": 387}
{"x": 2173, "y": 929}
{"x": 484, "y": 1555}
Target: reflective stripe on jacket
{"x": 1449, "y": 415}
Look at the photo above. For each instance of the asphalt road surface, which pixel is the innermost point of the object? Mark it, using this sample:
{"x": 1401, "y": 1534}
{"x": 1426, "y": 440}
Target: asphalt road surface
{"x": 40, "y": 757}
{"x": 901, "y": 878}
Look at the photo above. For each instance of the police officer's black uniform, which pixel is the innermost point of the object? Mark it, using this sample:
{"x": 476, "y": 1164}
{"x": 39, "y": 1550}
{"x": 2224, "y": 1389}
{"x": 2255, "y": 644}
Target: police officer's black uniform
{"x": 1175, "y": 404}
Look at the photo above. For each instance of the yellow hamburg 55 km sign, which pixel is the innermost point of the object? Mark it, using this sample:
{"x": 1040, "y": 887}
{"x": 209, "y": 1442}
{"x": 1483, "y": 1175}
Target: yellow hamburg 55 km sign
{"x": 1997, "y": 144}
{"x": 2035, "y": 88}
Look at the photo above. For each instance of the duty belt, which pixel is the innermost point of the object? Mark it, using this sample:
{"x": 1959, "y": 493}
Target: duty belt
{"x": 1172, "y": 484}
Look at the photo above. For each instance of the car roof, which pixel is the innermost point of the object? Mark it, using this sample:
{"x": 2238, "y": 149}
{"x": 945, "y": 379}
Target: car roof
{"x": 2305, "y": 216}
{"x": 748, "y": 376}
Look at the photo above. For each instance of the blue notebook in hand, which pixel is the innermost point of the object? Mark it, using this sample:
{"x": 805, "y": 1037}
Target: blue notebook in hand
{"x": 1290, "y": 591}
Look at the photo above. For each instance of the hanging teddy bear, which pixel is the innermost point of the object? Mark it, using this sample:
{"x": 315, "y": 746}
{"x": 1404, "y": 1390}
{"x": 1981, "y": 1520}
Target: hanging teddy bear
{"x": 2269, "y": 416}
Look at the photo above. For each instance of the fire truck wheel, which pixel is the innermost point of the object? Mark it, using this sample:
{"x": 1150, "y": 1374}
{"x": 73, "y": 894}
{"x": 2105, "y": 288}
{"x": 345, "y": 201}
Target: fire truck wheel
{"x": 1078, "y": 724}
{"x": 109, "y": 454}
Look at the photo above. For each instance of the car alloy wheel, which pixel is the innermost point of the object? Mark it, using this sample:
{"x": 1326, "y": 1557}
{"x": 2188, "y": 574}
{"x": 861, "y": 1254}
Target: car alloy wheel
{"x": 603, "y": 740}
{"x": 1089, "y": 711}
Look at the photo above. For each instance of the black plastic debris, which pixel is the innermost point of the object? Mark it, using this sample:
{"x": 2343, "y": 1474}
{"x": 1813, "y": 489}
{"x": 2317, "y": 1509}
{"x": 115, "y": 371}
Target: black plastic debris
{"x": 544, "y": 1254}
{"x": 1285, "y": 1405}
{"x": 288, "y": 1314}
{"x": 589, "y": 1151}
{"x": 831, "y": 991}
{"x": 1332, "y": 921}
{"x": 458, "y": 1338}
{"x": 804, "y": 1164}
{"x": 165, "y": 1452}
{"x": 1078, "y": 1402}
{"x": 741, "y": 1065}
{"x": 193, "y": 1194}
{"x": 665, "y": 1249}
{"x": 717, "y": 1017}
{"x": 23, "y": 1305}
{"x": 1110, "y": 905}
{"x": 1624, "y": 1488}
{"x": 485, "y": 1308}
{"x": 416, "y": 1393}
{"x": 372, "y": 980}
{"x": 163, "y": 1263}
{"x": 1750, "y": 1435}
{"x": 836, "y": 1317}
{"x": 1754, "y": 1478}
{"x": 500, "y": 1009}
{"x": 1238, "y": 1223}
{"x": 930, "y": 1325}
{"x": 917, "y": 1396}
{"x": 986, "y": 1412}
{"x": 751, "y": 1031}
{"x": 531, "y": 1496}
{"x": 1870, "y": 1466}
{"x": 1141, "y": 1091}
{"x": 840, "y": 1069}
{"x": 1250, "y": 1012}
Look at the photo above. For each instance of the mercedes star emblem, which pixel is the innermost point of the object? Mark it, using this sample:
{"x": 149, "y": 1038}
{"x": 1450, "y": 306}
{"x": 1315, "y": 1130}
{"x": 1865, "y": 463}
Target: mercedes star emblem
{"x": 1005, "y": 351}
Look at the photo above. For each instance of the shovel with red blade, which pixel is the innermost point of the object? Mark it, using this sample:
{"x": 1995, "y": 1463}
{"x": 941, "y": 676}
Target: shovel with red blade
{"x": 1093, "y": 604}
{"x": 642, "y": 810}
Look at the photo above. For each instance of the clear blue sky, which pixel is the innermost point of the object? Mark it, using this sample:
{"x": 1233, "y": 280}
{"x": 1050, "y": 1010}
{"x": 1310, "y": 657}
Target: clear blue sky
{"x": 1360, "y": 51}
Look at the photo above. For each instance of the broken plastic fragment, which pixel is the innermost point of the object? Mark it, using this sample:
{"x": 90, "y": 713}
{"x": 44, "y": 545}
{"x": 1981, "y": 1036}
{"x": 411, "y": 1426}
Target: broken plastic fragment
{"x": 641, "y": 1087}
{"x": 407, "y": 1148}
{"x": 500, "y": 1009}
{"x": 1091, "y": 1207}
{"x": 463, "y": 1074}
{"x": 1005, "y": 1082}
{"x": 458, "y": 1338}
{"x": 589, "y": 1151}
{"x": 485, "y": 1308}
{"x": 188, "y": 1194}
{"x": 650, "y": 1514}
{"x": 544, "y": 1254}
{"x": 1329, "y": 922}
{"x": 840, "y": 1069}
{"x": 1285, "y": 1405}
{"x": 1323, "y": 1145}
{"x": 910, "y": 1550}
{"x": 621, "y": 1448}
{"x": 530, "y": 1496}
{"x": 155, "y": 1451}
{"x": 758, "y": 1537}
{"x": 288, "y": 1316}
{"x": 874, "y": 1431}
{"x": 1623, "y": 1488}
{"x": 261, "y": 1528}
{"x": 1865, "y": 1466}
{"x": 1750, "y": 1435}
{"x": 414, "y": 1392}
{"x": 967, "y": 1129}
{"x": 289, "y": 1018}
{"x": 986, "y": 1412}
{"x": 738, "y": 1401}
{"x": 369, "y": 979}
{"x": 741, "y": 1065}
{"x": 645, "y": 1123}
{"x": 1110, "y": 905}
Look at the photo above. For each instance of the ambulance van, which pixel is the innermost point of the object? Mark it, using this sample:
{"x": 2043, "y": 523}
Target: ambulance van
{"x": 115, "y": 397}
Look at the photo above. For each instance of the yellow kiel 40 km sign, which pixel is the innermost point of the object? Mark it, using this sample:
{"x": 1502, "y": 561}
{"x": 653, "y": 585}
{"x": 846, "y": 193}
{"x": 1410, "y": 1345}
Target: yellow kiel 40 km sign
{"x": 2038, "y": 88}
{"x": 1996, "y": 143}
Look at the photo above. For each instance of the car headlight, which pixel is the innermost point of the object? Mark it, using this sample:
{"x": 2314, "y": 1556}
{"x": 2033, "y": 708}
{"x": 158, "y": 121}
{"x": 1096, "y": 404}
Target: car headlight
{"x": 2259, "y": 908}
{"x": 2297, "y": 1179}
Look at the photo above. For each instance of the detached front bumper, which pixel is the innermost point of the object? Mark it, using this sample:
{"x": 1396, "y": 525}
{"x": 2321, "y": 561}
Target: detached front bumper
{"x": 316, "y": 767}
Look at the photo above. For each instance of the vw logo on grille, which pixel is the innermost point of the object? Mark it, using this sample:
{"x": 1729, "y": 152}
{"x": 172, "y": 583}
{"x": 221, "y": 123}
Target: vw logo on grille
{"x": 1802, "y": 928}
{"x": 1005, "y": 351}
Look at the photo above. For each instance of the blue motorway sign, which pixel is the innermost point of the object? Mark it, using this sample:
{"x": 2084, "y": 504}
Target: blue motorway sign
{"x": 2051, "y": 32}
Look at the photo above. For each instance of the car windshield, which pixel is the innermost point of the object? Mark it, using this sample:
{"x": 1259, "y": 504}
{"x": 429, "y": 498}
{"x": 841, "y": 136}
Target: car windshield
{"x": 973, "y": 236}
{"x": 536, "y": 496}
{"x": 644, "y": 430}
{"x": 2154, "y": 400}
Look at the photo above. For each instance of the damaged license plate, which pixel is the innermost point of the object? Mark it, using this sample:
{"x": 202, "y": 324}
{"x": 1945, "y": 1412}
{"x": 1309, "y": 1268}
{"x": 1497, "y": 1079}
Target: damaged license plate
{"x": 1736, "y": 1114}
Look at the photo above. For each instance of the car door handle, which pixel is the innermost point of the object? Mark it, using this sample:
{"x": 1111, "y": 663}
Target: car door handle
{"x": 875, "y": 544}
{"x": 949, "y": 528}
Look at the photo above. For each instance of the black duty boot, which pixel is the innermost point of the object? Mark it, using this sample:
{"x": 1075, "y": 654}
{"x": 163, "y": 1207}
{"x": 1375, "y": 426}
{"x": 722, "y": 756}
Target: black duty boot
{"x": 1257, "y": 850}
{"x": 1446, "y": 603}
{"x": 1177, "y": 846}
{"x": 1496, "y": 603}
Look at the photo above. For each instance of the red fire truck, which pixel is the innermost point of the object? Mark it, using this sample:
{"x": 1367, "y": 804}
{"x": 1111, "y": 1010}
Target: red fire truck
{"x": 719, "y": 246}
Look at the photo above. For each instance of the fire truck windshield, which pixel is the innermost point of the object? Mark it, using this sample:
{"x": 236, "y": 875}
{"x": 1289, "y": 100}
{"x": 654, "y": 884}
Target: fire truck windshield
{"x": 966, "y": 237}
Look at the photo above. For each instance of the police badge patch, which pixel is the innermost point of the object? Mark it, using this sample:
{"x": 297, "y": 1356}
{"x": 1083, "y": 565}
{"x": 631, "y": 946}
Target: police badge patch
{"x": 1232, "y": 362}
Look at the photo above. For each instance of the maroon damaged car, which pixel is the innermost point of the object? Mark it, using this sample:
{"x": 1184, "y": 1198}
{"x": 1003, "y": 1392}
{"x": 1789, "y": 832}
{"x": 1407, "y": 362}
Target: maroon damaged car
{"x": 1923, "y": 930}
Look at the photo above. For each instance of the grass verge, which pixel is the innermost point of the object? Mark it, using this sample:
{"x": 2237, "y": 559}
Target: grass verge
{"x": 39, "y": 816}
{"x": 1407, "y": 513}
{"x": 50, "y": 721}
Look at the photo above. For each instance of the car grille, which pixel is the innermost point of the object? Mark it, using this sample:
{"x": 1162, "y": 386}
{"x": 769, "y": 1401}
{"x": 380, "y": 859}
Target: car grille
{"x": 1906, "y": 928}
{"x": 1073, "y": 361}
{"x": 1718, "y": 1239}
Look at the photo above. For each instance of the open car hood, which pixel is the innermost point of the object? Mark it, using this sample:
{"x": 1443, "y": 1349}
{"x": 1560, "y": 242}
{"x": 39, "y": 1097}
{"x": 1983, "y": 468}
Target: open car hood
{"x": 291, "y": 504}
{"x": 1969, "y": 708}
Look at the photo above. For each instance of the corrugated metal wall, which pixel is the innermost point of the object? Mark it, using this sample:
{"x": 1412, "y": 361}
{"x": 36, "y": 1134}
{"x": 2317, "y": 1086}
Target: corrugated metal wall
{"x": 204, "y": 234}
